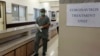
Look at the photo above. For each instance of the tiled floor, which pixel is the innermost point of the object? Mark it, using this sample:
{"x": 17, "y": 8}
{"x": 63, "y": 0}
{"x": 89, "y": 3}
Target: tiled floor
{"x": 52, "y": 47}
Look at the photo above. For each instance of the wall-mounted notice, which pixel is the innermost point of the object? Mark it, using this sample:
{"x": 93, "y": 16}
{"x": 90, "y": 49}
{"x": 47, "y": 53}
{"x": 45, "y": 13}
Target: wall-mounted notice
{"x": 8, "y": 10}
{"x": 83, "y": 14}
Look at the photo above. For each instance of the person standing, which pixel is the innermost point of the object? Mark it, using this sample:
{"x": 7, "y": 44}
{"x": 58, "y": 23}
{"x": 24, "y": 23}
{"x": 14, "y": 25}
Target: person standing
{"x": 43, "y": 22}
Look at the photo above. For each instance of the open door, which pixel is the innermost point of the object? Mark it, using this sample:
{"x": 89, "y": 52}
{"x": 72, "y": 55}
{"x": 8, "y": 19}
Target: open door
{"x": 2, "y": 16}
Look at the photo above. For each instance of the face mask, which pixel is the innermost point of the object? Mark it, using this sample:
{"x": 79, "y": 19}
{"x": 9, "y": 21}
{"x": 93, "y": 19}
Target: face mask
{"x": 42, "y": 14}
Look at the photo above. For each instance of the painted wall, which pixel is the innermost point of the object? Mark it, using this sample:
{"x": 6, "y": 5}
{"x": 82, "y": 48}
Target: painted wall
{"x": 46, "y": 5}
{"x": 31, "y": 4}
{"x": 47, "y": 0}
{"x": 77, "y": 41}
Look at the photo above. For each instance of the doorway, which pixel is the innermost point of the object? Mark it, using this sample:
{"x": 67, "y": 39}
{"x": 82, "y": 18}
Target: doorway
{"x": 2, "y": 16}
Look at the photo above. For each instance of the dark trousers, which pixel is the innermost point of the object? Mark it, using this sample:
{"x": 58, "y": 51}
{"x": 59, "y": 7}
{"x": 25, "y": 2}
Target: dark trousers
{"x": 37, "y": 42}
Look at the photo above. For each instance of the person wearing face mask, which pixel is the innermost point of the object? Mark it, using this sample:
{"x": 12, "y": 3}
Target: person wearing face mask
{"x": 43, "y": 23}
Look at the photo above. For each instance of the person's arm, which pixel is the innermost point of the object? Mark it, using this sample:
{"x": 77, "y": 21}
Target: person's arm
{"x": 47, "y": 23}
{"x": 38, "y": 27}
{"x": 46, "y": 26}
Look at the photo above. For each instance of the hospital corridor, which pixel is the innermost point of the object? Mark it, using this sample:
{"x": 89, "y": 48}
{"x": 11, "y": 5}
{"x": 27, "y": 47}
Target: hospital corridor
{"x": 29, "y": 27}
{"x": 49, "y": 27}
{"x": 52, "y": 47}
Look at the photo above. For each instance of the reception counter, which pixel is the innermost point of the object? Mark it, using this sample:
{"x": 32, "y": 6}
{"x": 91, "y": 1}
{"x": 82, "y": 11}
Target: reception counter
{"x": 19, "y": 41}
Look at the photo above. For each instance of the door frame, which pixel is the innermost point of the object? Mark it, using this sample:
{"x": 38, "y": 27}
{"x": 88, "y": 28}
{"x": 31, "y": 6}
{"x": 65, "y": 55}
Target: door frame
{"x": 4, "y": 14}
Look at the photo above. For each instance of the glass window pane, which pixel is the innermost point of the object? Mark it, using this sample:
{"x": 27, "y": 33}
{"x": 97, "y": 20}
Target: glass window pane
{"x": 15, "y": 11}
{"x": 22, "y": 13}
{"x": 37, "y": 13}
{"x": 53, "y": 14}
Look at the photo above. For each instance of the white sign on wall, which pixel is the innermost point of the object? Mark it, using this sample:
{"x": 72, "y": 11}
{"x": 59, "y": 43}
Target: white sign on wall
{"x": 8, "y": 10}
{"x": 83, "y": 14}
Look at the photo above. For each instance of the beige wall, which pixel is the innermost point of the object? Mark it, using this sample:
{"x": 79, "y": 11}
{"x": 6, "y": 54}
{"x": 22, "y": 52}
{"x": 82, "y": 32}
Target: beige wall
{"x": 47, "y": 0}
{"x": 31, "y": 4}
{"x": 57, "y": 16}
{"x": 46, "y": 5}
{"x": 54, "y": 5}
{"x": 77, "y": 41}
